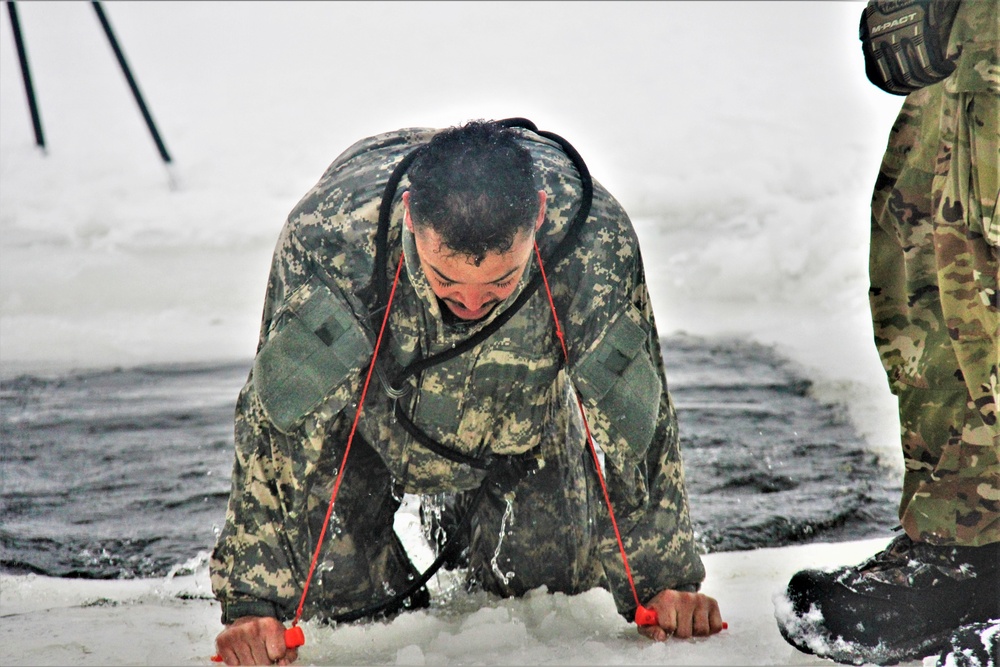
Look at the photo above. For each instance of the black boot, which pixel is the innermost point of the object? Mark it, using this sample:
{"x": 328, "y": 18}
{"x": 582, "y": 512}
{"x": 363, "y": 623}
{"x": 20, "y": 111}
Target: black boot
{"x": 901, "y": 604}
{"x": 974, "y": 645}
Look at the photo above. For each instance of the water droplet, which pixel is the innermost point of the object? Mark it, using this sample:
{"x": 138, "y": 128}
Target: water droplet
{"x": 507, "y": 514}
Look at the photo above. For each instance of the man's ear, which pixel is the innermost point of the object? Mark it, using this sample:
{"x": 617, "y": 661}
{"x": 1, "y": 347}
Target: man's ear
{"x": 541, "y": 208}
{"x": 406, "y": 211}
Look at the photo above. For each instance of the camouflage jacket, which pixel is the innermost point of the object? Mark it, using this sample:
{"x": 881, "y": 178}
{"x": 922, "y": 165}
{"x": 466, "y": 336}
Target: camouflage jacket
{"x": 318, "y": 334}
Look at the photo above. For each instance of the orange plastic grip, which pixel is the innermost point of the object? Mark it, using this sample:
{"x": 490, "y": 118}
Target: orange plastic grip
{"x": 294, "y": 637}
{"x": 645, "y": 616}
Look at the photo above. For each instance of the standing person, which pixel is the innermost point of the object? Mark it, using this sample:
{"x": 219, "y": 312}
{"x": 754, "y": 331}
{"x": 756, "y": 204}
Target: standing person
{"x": 934, "y": 300}
{"x": 473, "y": 400}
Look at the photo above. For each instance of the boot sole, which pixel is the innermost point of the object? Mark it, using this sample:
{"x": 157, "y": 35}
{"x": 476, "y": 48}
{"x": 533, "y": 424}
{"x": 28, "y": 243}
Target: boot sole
{"x": 844, "y": 652}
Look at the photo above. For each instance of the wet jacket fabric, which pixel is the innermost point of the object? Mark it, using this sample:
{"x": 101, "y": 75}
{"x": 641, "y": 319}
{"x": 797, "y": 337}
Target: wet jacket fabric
{"x": 511, "y": 394}
{"x": 934, "y": 288}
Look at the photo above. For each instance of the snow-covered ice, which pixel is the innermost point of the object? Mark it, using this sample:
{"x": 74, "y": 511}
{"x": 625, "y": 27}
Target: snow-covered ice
{"x": 159, "y": 622}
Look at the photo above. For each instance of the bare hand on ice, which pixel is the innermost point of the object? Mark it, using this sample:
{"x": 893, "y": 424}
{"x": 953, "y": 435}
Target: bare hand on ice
{"x": 683, "y": 615}
{"x": 255, "y": 640}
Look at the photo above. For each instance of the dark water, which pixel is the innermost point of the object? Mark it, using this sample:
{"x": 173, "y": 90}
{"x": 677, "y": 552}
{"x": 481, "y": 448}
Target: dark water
{"x": 766, "y": 464}
{"x": 125, "y": 473}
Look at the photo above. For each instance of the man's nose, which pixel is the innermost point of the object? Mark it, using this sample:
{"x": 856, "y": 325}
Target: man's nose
{"x": 474, "y": 299}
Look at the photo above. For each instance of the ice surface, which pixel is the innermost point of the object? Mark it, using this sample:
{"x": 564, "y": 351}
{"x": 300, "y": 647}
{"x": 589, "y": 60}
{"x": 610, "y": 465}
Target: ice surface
{"x": 173, "y": 621}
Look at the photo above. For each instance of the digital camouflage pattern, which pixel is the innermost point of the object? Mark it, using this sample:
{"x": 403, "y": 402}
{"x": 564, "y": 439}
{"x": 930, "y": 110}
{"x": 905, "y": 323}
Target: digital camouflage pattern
{"x": 934, "y": 288}
{"x": 509, "y": 395}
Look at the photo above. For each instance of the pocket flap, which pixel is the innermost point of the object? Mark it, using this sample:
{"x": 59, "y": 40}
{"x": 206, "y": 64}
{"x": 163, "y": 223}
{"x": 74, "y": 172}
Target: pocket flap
{"x": 319, "y": 347}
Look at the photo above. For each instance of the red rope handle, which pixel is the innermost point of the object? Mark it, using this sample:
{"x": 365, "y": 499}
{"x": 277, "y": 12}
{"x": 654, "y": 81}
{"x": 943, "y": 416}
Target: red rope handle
{"x": 347, "y": 450}
{"x": 643, "y": 616}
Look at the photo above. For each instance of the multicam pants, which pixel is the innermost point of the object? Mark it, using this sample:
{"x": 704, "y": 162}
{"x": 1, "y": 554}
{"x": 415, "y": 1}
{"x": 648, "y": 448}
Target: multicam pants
{"x": 934, "y": 275}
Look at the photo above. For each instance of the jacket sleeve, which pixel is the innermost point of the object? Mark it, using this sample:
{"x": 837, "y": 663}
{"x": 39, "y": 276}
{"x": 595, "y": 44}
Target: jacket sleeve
{"x": 284, "y": 471}
{"x": 617, "y": 368}
{"x": 294, "y": 414}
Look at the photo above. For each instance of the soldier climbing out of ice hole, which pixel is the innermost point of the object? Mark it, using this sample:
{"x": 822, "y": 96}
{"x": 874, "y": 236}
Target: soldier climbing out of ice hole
{"x": 475, "y": 400}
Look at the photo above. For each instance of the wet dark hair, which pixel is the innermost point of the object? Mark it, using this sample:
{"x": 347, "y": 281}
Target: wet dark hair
{"x": 474, "y": 185}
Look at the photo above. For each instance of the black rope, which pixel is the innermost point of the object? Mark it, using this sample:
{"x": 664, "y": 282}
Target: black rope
{"x": 430, "y": 443}
{"x": 382, "y": 232}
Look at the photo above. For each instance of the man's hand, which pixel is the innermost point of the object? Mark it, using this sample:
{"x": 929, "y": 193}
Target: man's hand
{"x": 683, "y": 615}
{"x": 254, "y": 640}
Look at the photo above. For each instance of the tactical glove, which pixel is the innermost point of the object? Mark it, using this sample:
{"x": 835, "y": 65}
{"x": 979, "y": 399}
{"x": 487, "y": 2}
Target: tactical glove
{"x": 905, "y": 43}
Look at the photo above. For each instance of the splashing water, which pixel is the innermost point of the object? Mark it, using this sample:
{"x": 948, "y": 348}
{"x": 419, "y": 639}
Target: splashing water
{"x": 432, "y": 527}
{"x": 508, "y": 514}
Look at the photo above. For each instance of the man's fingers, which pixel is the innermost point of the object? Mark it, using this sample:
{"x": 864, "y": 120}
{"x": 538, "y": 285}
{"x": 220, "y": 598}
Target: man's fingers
{"x": 683, "y": 615}
{"x": 259, "y": 651}
{"x": 244, "y": 654}
{"x": 715, "y": 619}
{"x": 668, "y": 621}
{"x": 254, "y": 640}
{"x": 685, "y": 624}
{"x": 275, "y": 647}
{"x": 707, "y": 618}
{"x": 700, "y": 625}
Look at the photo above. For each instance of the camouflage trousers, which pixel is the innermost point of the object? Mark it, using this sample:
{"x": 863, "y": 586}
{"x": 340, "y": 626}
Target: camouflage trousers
{"x": 543, "y": 534}
{"x": 950, "y": 482}
{"x": 551, "y": 530}
{"x": 934, "y": 275}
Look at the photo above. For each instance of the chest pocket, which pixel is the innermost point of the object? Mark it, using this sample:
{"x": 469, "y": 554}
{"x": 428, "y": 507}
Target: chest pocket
{"x": 314, "y": 356}
{"x": 509, "y": 402}
{"x": 619, "y": 379}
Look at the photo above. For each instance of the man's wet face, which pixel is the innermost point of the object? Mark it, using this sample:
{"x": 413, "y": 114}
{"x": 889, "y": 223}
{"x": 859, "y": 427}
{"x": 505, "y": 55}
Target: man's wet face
{"x": 471, "y": 289}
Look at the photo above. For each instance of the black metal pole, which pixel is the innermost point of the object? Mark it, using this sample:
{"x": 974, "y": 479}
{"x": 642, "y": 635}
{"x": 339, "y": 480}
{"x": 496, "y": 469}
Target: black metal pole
{"x": 131, "y": 81}
{"x": 29, "y": 89}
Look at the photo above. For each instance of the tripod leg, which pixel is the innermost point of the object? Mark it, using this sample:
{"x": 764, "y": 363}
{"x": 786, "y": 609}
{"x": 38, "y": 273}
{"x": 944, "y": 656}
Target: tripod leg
{"x": 131, "y": 81}
{"x": 22, "y": 56}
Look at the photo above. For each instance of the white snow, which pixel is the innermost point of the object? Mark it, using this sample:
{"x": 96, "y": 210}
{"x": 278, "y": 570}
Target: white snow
{"x": 742, "y": 137}
{"x": 144, "y": 622}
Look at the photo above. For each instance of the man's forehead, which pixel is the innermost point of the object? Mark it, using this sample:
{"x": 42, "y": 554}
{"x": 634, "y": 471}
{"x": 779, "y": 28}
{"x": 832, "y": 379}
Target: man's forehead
{"x": 435, "y": 243}
{"x": 453, "y": 266}
{"x": 482, "y": 274}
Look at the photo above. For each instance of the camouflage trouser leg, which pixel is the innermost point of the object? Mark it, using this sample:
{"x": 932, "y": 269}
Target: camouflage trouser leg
{"x": 549, "y": 533}
{"x": 950, "y": 486}
{"x": 934, "y": 275}
{"x": 365, "y": 563}
{"x": 547, "y": 536}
